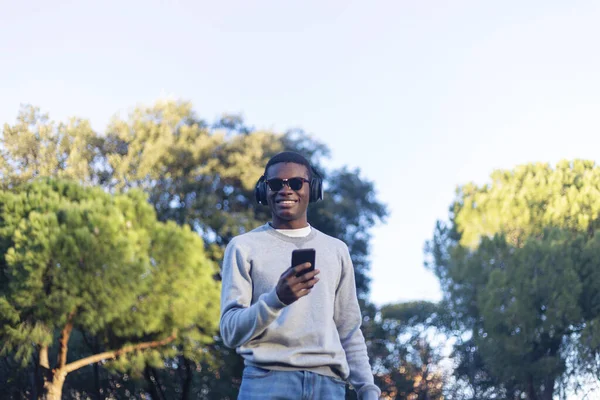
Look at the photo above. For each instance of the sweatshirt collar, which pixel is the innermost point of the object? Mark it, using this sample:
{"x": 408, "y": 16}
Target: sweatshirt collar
{"x": 298, "y": 240}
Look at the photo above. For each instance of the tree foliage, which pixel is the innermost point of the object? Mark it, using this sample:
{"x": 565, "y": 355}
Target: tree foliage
{"x": 407, "y": 364}
{"x": 37, "y": 147}
{"x": 194, "y": 174}
{"x": 518, "y": 266}
{"x": 80, "y": 258}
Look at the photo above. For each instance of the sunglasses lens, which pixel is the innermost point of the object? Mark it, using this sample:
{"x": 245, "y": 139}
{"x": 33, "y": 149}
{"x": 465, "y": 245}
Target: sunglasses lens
{"x": 295, "y": 183}
{"x": 275, "y": 184}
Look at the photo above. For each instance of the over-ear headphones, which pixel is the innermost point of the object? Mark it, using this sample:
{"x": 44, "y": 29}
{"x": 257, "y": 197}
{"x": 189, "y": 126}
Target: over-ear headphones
{"x": 316, "y": 188}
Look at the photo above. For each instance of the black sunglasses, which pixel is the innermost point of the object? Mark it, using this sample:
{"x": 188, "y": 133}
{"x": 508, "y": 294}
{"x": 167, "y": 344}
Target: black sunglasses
{"x": 276, "y": 184}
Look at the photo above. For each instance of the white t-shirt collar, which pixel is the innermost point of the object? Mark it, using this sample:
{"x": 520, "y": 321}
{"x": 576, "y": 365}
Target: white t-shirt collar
{"x": 302, "y": 232}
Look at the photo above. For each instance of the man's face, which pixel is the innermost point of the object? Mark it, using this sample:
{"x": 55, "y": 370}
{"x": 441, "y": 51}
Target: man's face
{"x": 288, "y": 207}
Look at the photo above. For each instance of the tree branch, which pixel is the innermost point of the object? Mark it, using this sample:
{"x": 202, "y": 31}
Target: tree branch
{"x": 108, "y": 355}
{"x": 64, "y": 340}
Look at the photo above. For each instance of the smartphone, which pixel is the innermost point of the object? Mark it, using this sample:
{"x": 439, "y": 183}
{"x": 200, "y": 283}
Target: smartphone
{"x": 302, "y": 256}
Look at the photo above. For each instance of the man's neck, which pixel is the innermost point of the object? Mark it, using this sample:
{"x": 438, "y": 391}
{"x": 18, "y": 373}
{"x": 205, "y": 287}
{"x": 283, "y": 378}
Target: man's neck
{"x": 298, "y": 224}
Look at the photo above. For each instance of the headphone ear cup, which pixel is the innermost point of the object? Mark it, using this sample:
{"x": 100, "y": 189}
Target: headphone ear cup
{"x": 256, "y": 193}
{"x": 260, "y": 191}
{"x": 316, "y": 189}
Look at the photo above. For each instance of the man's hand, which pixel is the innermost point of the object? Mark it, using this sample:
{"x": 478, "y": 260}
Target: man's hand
{"x": 290, "y": 288}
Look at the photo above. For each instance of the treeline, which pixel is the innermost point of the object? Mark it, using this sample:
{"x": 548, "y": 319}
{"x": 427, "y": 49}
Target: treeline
{"x": 110, "y": 244}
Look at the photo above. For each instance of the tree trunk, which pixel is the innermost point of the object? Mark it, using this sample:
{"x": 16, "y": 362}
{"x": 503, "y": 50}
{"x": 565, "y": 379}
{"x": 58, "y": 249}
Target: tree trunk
{"x": 158, "y": 384}
{"x": 55, "y": 379}
{"x": 98, "y": 394}
{"x": 35, "y": 379}
{"x": 152, "y": 384}
{"x": 53, "y": 389}
{"x": 531, "y": 395}
{"x": 39, "y": 372}
{"x": 189, "y": 379}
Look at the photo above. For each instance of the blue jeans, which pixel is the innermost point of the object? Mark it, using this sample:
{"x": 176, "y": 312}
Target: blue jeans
{"x": 259, "y": 383}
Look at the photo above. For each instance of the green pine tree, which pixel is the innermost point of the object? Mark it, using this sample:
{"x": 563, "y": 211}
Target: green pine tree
{"x": 518, "y": 267}
{"x": 76, "y": 258}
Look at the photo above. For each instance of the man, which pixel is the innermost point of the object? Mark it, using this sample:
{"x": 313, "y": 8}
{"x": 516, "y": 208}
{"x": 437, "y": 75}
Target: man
{"x": 299, "y": 335}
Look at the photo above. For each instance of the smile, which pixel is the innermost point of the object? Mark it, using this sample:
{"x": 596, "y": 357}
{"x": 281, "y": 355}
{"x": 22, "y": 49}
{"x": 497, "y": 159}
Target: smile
{"x": 287, "y": 201}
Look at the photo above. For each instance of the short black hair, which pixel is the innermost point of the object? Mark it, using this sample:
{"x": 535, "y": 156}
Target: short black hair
{"x": 290, "y": 157}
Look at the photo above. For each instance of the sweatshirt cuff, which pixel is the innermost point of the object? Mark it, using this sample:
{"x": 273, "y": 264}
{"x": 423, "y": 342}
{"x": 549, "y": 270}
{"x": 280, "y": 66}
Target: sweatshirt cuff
{"x": 272, "y": 300}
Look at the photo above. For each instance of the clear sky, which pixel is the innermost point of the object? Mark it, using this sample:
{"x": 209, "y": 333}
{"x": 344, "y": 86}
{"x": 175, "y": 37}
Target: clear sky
{"x": 422, "y": 96}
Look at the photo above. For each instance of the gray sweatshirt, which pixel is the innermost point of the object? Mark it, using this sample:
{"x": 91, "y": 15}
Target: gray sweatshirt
{"x": 319, "y": 332}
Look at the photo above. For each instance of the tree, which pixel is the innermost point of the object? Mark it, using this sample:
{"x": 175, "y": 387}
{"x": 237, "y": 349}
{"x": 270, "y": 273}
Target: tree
{"x": 193, "y": 174}
{"x": 79, "y": 259}
{"x": 202, "y": 175}
{"x": 37, "y": 147}
{"x": 518, "y": 267}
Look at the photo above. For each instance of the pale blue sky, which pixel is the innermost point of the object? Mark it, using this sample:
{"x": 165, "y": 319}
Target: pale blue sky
{"x": 422, "y": 96}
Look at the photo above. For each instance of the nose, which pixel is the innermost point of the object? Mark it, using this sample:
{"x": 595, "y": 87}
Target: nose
{"x": 286, "y": 188}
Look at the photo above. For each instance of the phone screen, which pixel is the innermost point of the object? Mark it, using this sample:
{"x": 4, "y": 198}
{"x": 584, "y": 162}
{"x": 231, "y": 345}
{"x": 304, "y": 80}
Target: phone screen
{"x": 302, "y": 256}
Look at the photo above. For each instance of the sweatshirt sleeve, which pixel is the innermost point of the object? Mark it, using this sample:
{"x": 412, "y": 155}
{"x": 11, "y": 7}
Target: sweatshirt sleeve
{"x": 241, "y": 321}
{"x": 348, "y": 319}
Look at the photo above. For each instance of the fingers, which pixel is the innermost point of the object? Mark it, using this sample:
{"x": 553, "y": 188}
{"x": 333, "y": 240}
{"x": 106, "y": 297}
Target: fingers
{"x": 297, "y": 271}
{"x": 305, "y": 284}
{"x": 291, "y": 287}
{"x": 304, "y": 277}
{"x": 301, "y": 267}
{"x": 305, "y": 288}
{"x": 292, "y": 271}
{"x": 307, "y": 276}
